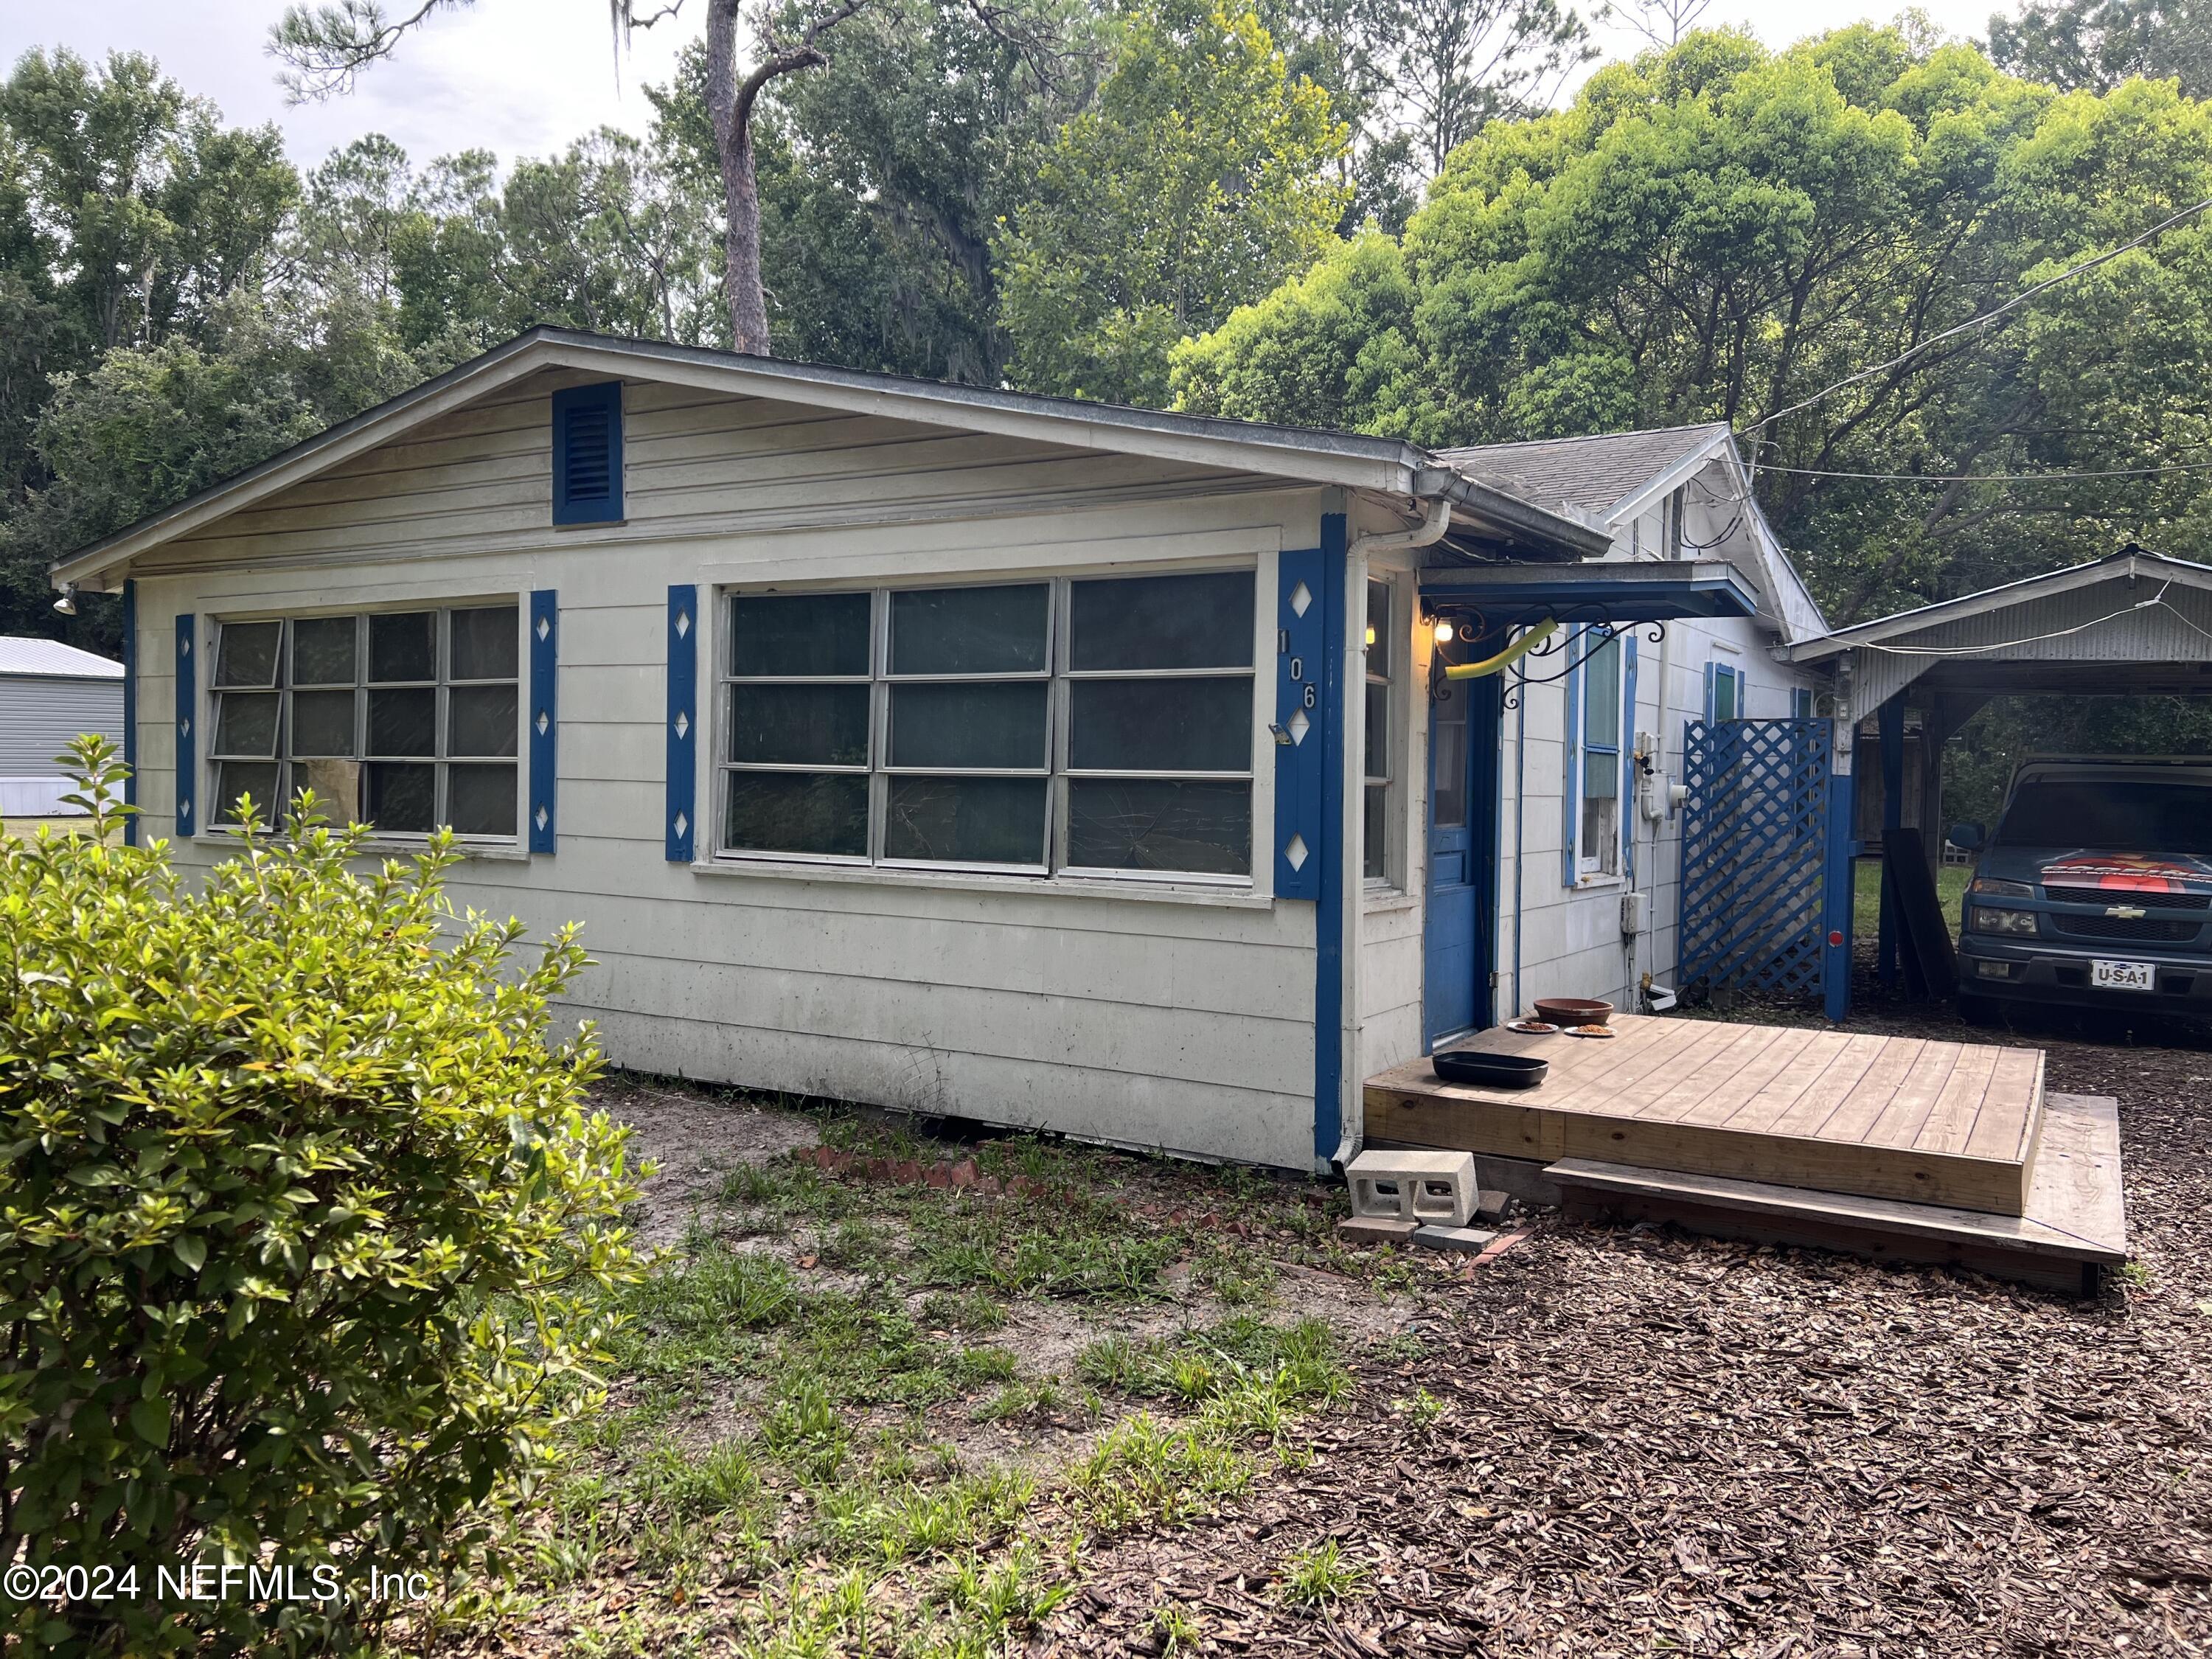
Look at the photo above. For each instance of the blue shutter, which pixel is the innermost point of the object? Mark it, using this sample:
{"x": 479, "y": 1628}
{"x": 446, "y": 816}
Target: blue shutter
{"x": 1712, "y": 677}
{"x": 188, "y": 699}
{"x": 587, "y": 454}
{"x": 1301, "y": 641}
{"x": 130, "y": 709}
{"x": 1570, "y": 762}
{"x": 1628, "y": 757}
{"x": 545, "y": 717}
{"x": 1329, "y": 852}
{"x": 681, "y": 819}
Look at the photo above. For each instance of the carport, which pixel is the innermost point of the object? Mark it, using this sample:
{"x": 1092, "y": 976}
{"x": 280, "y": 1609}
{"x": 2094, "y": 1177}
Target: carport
{"x": 2134, "y": 625}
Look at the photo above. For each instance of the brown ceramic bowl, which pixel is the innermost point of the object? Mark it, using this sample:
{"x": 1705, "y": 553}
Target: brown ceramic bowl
{"x": 1573, "y": 1011}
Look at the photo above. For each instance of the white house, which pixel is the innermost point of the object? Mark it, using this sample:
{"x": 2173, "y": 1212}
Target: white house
{"x": 50, "y": 695}
{"x": 1043, "y": 763}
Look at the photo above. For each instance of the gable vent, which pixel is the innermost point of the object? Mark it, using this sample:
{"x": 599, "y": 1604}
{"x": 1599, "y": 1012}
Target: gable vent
{"x": 587, "y": 454}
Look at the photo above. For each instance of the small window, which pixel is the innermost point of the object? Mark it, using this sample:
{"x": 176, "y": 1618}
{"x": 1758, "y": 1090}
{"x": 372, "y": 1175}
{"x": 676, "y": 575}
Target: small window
{"x": 1801, "y": 703}
{"x": 404, "y": 720}
{"x": 1597, "y": 840}
{"x": 1085, "y": 723}
{"x": 1382, "y": 755}
{"x": 1724, "y": 689}
{"x": 587, "y": 454}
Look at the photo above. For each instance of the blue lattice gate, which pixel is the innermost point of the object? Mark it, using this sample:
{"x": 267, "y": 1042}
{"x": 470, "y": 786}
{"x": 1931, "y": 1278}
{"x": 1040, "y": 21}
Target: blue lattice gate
{"x": 1765, "y": 907}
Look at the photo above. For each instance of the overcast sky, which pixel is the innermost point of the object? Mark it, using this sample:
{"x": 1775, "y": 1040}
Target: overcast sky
{"x": 522, "y": 77}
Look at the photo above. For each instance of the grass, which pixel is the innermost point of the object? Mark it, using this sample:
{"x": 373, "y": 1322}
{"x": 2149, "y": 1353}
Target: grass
{"x": 1314, "y": 1577}
{"x": 1866, "y": 894}
{"x": 784, "y": 1456}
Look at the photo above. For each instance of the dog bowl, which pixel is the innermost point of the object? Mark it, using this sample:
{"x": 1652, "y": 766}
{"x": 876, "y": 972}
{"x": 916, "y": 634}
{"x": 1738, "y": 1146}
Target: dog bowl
{"x": 1491, "y": 1071}
{"x": 1573, "y": 1011}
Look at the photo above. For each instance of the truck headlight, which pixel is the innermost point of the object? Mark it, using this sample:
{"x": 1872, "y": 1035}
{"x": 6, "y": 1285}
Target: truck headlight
{"x": 1990, "y": 887}
{"x": 1987, "y": 921}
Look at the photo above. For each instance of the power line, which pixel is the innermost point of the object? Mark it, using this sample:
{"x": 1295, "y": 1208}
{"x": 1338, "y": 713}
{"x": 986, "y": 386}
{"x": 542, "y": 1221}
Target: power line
{"x": 1986, "y": 316}
{"x": 1995, "y": 478}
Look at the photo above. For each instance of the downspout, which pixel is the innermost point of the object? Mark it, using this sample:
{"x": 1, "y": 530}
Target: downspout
{"x": 1431, "y": 530}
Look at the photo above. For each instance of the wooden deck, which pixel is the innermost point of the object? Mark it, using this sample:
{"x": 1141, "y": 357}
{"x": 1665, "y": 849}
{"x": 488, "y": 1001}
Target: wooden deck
{"x": 1928, "y": 1122}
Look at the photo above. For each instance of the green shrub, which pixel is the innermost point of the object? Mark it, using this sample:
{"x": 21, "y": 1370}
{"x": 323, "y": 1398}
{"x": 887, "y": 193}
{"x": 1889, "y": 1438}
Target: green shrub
{"x": 304, "y": 1240}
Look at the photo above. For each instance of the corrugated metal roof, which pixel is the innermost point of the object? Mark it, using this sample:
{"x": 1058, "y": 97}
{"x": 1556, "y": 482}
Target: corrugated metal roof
{"x": 1593, "y": 474}
{"x": 51, "y": 660}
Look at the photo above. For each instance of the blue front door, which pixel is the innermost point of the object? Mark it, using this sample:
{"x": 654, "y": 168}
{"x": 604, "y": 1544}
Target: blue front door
{"x": 1463, "y": 729}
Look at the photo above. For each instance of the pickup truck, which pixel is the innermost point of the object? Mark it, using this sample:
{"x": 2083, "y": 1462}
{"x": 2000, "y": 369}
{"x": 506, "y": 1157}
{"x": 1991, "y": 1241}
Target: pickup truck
{"x": 2094, "y": 891}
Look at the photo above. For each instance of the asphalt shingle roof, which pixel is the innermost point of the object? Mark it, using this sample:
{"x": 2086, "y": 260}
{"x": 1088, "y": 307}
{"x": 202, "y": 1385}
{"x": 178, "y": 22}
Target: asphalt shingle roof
{"x": 1593, "y": 474}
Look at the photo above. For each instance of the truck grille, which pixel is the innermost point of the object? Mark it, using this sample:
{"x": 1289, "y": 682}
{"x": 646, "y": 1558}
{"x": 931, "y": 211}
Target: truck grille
{"x": 2103, "y": 895}
{"x": 2148, "y": 929}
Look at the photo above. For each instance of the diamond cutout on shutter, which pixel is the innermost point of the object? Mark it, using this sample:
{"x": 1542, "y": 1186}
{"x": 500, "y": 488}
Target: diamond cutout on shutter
{"x": 683, "y": 724}
{"x": 184, "y": 808}
{"x": 1301, "y": 600}
{"x": 542, "y": 818}
{"x": 185, "y": 727}
{"x": 682, "y": 824}
{"x": 1299, "y": 727}
{"x": 185, "y": 647}
{"x": 544, "y": 725}
{"x": 1296, "y": 852}
{"x": 544, "y": 628}
{"x": 683, "y": 623}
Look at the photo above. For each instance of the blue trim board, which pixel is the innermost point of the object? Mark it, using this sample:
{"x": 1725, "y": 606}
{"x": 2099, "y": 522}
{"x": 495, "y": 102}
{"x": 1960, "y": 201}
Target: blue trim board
{"x": 1837, "y": 883}
{"x": 544, "y": 718}
{"x": 1628, "y": 757}
{"x": 1890, "y": 722}
{"x": 131, "y": 708}
{"x": 1570, "y": 768}
{"x": 681, "y": 818}
{"x": 1332, "y": 851}
{"x": 1301, "y": 636}
{"x": 188, "y": 700}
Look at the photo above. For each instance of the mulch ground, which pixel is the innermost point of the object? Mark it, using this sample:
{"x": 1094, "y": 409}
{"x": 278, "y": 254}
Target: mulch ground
{"x": 1656, "y": 1444}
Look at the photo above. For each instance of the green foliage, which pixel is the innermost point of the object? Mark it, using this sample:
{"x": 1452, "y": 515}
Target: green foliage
{"x": 1314, "y": 1578}
{"x": 2101, "y": 43}
{"x": 1719, "y": 231}
{"x": 304, "y": 1241}
{"x": 1199, "y": 176}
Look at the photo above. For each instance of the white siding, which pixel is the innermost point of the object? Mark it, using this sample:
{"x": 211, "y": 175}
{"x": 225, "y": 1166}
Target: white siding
{"x": 1143, "y": 1014}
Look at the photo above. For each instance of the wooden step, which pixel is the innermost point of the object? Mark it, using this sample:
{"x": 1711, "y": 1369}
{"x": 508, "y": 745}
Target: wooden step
{"x": 2074, "y": 1228}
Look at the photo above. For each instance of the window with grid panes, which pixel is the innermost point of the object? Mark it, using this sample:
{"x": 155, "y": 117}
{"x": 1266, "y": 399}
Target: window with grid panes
{"x": 1598, "y": 841}
{"x": 404, "y": 721}
{"x": 1099, "y": 724}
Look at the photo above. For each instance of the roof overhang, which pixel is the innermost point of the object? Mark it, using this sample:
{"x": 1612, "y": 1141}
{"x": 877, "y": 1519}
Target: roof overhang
{"x": 1641, "y": 591}
{"x": 1386, "y": 467}
{"x": 1895, "y": 631}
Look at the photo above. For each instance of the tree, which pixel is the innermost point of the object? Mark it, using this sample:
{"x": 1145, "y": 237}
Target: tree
{"x": 329, "y": 46}
{"x": 1459, "y": 63}
{"x": 1199, "y": 177}
{"x": 1722, "y": 232}
{"x": 2101, "y": 43}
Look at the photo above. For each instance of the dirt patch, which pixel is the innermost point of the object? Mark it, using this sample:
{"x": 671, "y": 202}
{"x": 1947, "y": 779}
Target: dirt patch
{"x": 695, "y": 1139}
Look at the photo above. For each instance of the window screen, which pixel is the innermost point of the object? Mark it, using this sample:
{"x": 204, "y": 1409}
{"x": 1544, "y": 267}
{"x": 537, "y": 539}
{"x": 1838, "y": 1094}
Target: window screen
{"x": 404, "y": 720}
{"x": 1029, "y": 726}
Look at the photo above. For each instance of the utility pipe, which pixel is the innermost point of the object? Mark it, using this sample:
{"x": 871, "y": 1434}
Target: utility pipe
{"x": 1430, "y": 531}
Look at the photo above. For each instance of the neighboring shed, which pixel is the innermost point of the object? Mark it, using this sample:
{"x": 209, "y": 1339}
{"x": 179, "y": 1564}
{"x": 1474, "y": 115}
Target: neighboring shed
{"x": 50, "y": 695}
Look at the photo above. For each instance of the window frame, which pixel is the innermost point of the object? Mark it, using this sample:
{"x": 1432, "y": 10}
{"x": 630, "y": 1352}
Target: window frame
{"x": 211, "y": 760}
{"x": 1060, "y": 678}
{"x": 1591, "y": 868}
{"x": 1716, "y": 670}
{"x": 1385, "y": 874}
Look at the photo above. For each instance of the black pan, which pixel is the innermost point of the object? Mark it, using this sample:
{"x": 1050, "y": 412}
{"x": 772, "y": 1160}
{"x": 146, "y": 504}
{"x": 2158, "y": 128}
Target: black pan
{"x": 1491, "y": 1071}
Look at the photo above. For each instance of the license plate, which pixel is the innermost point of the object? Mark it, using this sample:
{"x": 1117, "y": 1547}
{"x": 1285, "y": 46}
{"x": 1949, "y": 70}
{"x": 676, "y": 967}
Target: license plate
{"x": 2124, "y": 975}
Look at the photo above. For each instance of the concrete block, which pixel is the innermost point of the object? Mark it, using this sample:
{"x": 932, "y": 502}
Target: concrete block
{"x": 1489, "y": 1203}
{"x": 1376, "y": 1230}
{"x": 1472, "y": 1240}
{"x": 1414, "y": 1185}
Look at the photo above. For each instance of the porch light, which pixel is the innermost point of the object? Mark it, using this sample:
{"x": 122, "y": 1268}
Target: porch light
{"x": 1371, "y": 633}
{"x": 1445, "y": 628}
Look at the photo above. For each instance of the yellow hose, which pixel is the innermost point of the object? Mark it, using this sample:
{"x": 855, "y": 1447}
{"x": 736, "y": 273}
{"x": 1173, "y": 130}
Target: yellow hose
{"x": 1512, "y": 653}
